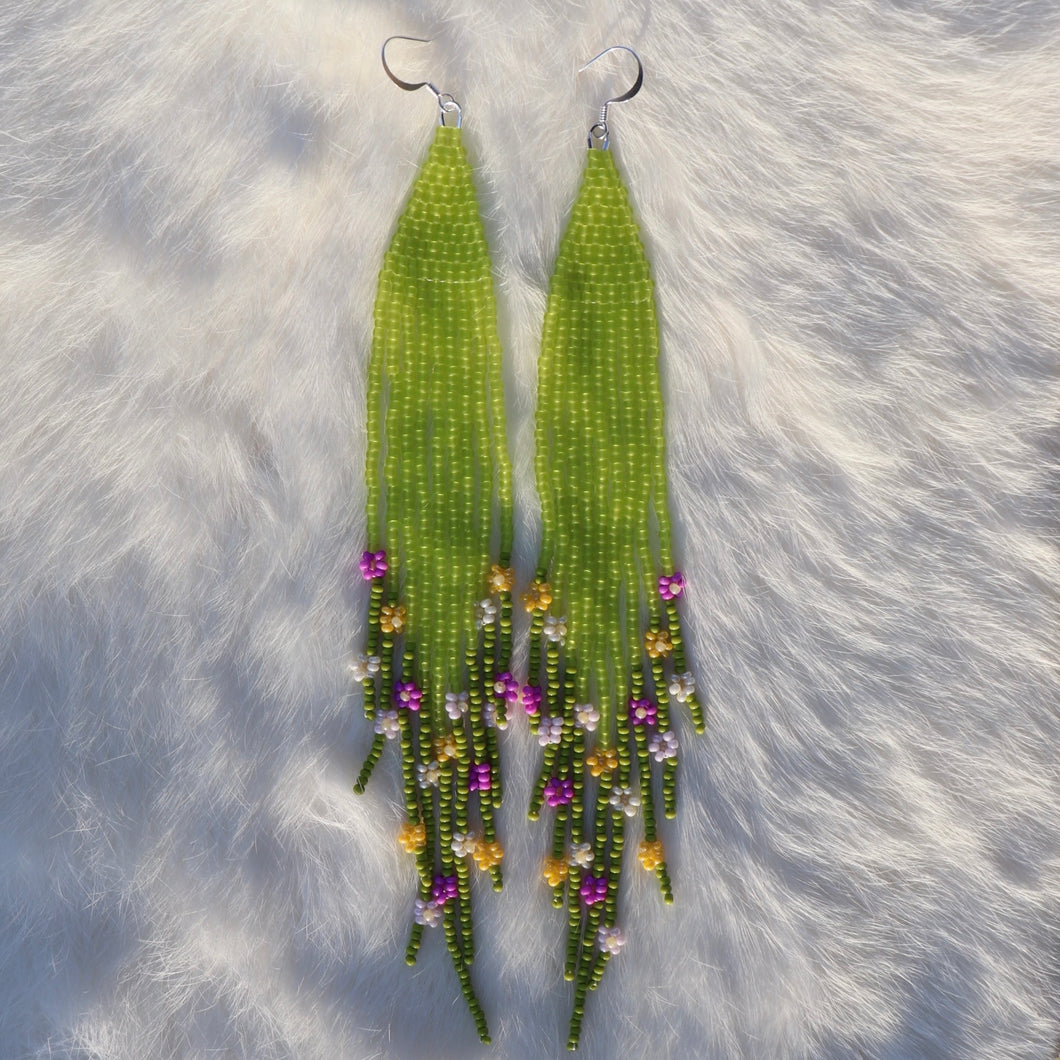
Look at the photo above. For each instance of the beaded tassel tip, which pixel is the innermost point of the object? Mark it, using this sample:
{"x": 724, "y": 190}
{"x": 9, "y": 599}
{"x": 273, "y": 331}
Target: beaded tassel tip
{"x": 606, "y": 658}
{"x": 439, "y": 519}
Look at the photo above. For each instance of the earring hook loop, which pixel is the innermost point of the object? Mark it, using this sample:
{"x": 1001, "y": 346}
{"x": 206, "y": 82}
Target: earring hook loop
{"x": 598, "y": 134}
{"x": 446, "y": 103}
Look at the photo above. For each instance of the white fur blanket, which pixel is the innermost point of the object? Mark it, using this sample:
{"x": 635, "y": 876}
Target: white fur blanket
{"x": 852, "y": 213}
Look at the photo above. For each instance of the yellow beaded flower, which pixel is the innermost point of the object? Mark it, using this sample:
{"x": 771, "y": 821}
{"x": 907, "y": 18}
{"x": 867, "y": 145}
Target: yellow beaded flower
{"x": 601, "y": 761}
{"x": 555, "y": 871}
{"x": 392, "y": 618}
{"x": 538, "y": 597}
{"x": 445, "y": 747}
{"x": 650, "y": 854}
{"x": 658, "y": 643}
{"x": 413, "y": 837}
{"x": 487, "y": 855}
{"x": 501, "y": 579}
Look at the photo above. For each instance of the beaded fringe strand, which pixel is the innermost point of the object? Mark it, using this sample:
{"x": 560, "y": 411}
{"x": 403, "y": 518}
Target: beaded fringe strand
{"x": 601, "y": 680}
{"x": 440, "y": 497}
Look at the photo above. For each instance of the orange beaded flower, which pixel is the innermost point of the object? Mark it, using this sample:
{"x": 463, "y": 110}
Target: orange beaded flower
{"x": 601, "y": 761}
{"x": 445, "y": 747}
{"x": 650, "y": 854}
{"x": 538, "y": 597}
{"x": 413, "y": 837}
{"x": 501, "y": 579}
{"x": 392, "y": 618}
{"x": 658, "y": 644}
{"x": 487, "y": 855}
{"x": 554, "y": 871}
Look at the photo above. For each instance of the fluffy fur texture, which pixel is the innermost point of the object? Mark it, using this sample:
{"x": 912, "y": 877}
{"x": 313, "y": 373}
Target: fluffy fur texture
{"x": 852, "y": 213}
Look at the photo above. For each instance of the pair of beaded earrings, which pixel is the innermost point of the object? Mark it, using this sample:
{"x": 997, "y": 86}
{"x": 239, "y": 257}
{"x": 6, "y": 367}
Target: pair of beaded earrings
{"x": 605, "y": 649}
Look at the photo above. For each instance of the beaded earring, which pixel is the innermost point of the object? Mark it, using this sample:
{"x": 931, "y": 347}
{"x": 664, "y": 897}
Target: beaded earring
{"x": 603, "y": 676}
{"x": 439, "y": 504}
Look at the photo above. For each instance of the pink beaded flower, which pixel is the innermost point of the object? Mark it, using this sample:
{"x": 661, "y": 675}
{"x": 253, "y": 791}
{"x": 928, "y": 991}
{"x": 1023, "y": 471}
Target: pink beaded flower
{"x": 506, "y": 686}
{"x": 408, "y": 695}
{"x": 642, "y": 712}
{"x": 443, "y": 888}
{"x": 531, "y": 699}
{"x": 559, "y": 791}
{"x": 479, "y": 778}
{"x": 373, "y": 565}
{"x": 593, "y": 889}
{"x": 671, "y": 586}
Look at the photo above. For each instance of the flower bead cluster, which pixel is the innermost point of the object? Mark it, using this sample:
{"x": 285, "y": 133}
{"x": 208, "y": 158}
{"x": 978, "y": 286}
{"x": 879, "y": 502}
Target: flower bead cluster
{"x": 531, "y": 697}
{"x": 593, "y": 889}
{"x": 485, "y": 613}
{"x": 365, "y": 667}
{"x": 445, "y": 747}
{"x": 657, "y": 643}
{"x": 428, "y": 774}
{"x": 625, "y": 800}
{"x": 412, "y": 837}
{"x": 456, "y": 705}
{"x": 429, "y": 914}
{"x": 479, "y": 778}
{"x": 555, "y": 629}
{"x": 392, "y": 618}
{"x": 586, "y": 716}
{"x": 443, "y": 889}
{"x": 464, "y": 844}
{"x": 642, "y": 712}
{"x": 663, "y": 745}
{"x": 554, "y": 871}
{"x": 488, "y": 855}
{"x": 671, "y": 586}
{"x": 408, "y": 695}
{"x": 538, "y": 597}
{"x": 602, "y": 760}
{"x": 500, "y": 579}
{"x": 506, "y": 686}
{"x": 581, "y": 856}
{"x": 650, "y": 854}
{"x": 683, "y": 686}
{"x": 388, "y": 724}
{"x": 373, "y": 565}
{"x": 559, "y": 791}
{"x": 610, "y": 940}
{"x": 550, "y": 731}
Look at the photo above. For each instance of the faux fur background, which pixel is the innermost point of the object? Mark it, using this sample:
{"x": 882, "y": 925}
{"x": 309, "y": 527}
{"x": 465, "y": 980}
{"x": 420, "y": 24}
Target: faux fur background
{"x": 852, "y": 213}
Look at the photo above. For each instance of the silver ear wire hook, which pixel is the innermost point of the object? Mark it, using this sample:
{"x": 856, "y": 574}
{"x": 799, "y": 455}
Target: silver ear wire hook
{"x": 598, "y": 135}
{"x": 446, "y": 103}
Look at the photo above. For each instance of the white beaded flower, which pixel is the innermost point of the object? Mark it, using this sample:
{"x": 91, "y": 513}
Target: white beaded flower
{"x": 491, "y": 717}
{"x": 464, "y": 844}
{"x": 428, "y": 774}
{"x": 586, "y": 716}
{"x": 682, "y": 686}
{"x": 550, "y": 731}
{"x": 387, "y": 724}
{"x": 610, "y": 940}
{"x": 581, "y": 855}
{"x": 364, "y": 666}
{"x": 429, "y": 914}
{"x": 663, "y": 745}
{"x": 555, "y": 629}
{"x": 626, "y": 800}
{"x": 485, "y": 613}
{"x": 456, "y": 704}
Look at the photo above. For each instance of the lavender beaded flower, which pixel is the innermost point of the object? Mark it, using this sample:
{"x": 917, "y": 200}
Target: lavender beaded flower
{"x": 586, "y": 716}
{"x": 373, "y": 565}
{"x": 506, "y": 686}
{"x": 456, "y": 705}
{"x": 642, "y": 712}
{"x": 671, "y": 586}
{"x": 428, "y": 774}
{"x": 593, "y": 889}
{"x": 663, "y": 745}
{"x": 610, "y": 940}
{"x": 443, "y": 888}
{"x": 408, "y": 695}
{"x": 559, "y": 791}
{"x": 479, "y": 778}
{"x": 531, "y": 699}
{"x": 550, "y": 731}
{"x": 429, "y": 914}
{"x": 387, "y": 724}
{"x": 682, "y": 686}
